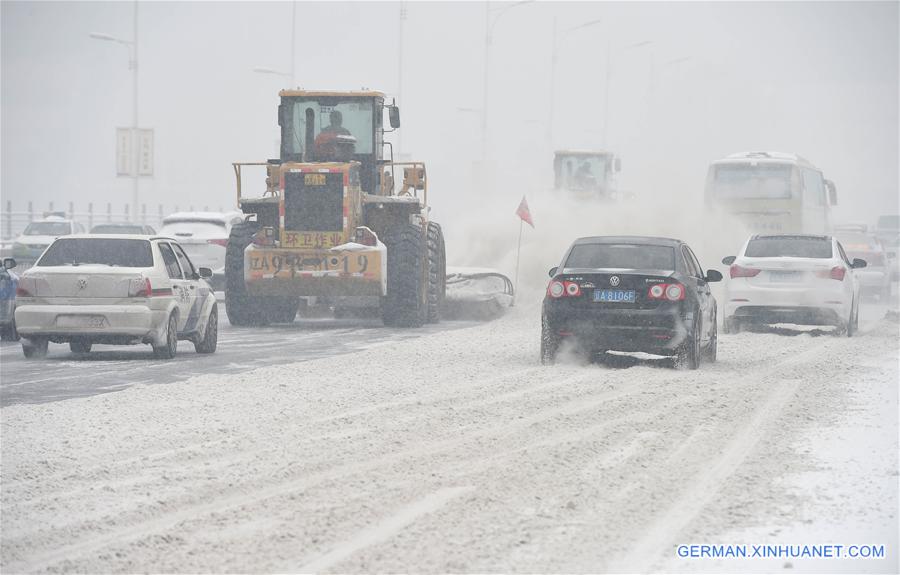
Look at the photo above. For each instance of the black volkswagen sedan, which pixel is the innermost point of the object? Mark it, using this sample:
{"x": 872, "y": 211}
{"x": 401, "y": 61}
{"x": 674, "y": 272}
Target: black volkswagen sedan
{"x": 631, "y": 294}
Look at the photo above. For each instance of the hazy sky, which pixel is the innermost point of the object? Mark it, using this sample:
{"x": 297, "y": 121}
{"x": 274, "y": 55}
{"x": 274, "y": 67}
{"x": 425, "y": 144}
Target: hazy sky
{"x": 818, "y": 79}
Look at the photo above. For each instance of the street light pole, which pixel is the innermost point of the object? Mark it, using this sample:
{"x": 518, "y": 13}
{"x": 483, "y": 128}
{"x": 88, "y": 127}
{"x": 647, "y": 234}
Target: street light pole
{"x": 135, "y": 138}
{"x": 488, "y": 39}
{"x": 400, "y": 74}
{"x": 553, "y": 61}
{"x": 640, "y": 44}
{"x": 132, "y": 46}
{"x": 293, "y": 44}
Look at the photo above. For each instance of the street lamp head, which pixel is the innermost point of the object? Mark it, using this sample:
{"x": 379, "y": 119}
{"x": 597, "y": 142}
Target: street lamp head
{"x": 585, "y": 25}
{"x": 100, "y": 36}
{"x": 269, "y": 71}
{"x": 109, "y": 38}
{"x": 640, "y": 44}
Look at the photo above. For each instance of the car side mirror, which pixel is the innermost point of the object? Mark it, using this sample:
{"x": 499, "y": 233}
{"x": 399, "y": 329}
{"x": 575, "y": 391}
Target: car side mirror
{"x": 858, "y": 263}
{"x": 205, "y": 273}
{"x": 713, "y": 276}
{"x": 728, "y": 260}
{"x": 9, "y": 263}
{"x": 553, "y": 271}
{"x": 394, "y": 115}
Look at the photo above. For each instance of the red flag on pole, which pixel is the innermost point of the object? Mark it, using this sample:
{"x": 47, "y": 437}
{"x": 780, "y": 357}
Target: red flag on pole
{"x": 524, "y": 213}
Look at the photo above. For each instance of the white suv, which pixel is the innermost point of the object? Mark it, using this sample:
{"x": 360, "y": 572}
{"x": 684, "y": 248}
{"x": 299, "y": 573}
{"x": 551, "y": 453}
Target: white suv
{"x": 115, "y": 289}
{"x": 797, "y": 279}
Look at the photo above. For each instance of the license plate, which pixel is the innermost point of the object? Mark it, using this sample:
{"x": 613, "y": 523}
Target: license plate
{"x": 288, "y": 265}
{"x": 614, "y": 295}
{"x": 81, "y": 321}
{"x": 784, "y": 276}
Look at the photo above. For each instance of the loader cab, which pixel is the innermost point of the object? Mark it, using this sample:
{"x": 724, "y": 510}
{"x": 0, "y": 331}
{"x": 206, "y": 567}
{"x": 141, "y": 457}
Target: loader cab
{"x": 590, "y": 174}
{"x": 335, "y": 127}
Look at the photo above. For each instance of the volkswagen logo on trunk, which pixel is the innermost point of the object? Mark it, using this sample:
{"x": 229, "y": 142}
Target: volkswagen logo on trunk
{"x": 614, "y": 281}
{"x": 82, "y": 283}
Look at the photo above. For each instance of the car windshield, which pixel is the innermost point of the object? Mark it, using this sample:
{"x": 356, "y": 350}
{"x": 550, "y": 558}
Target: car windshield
{"x": 796, "y": 247}
{"x": 622, "y": 256}
{"x": 746, "y": 181}
{"x": 47, "y": 229}
{"x": 105, "y": 251}
{"x": 117, "y": 229}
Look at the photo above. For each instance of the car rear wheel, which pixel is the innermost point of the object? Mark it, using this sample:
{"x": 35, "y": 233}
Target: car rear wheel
{"x": 80, "y": 346}
{"x": 549, "y": 345}
{"x": 853, "y": 323}
{"x": 688, "y": 356}
{"x": 35, "y": 347}
{"x": 168, "y": 350}
{"x": 211, "y": 336}
{"x": 712, "y": 348}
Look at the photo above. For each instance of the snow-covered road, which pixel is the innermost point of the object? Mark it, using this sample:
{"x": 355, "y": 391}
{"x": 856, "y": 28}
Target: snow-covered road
{"x": 457, "y": 452}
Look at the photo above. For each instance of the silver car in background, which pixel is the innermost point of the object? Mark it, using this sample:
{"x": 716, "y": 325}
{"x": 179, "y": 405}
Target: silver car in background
{"x": 875, "y": 279}
{"x": 204, "y": 236}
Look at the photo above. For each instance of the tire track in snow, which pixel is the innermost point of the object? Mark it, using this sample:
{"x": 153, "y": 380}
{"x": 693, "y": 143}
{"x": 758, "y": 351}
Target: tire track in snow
{"x": 657, "y": 538}
{"x": 245, "y": 495}
{"x": 382, "y": 531}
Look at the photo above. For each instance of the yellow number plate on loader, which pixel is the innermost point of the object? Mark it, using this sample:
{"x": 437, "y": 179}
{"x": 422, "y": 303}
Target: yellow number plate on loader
{"x": 288, "y": 265}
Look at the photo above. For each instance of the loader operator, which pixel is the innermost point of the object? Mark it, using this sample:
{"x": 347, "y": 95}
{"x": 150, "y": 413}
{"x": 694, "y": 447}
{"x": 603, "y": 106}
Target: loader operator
{"x": 335, "y": 143}
{"x": 336, "y": 126}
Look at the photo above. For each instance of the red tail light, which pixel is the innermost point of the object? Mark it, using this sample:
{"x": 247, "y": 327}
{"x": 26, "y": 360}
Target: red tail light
{"x": 218, "y": 242}
{"x": 670, "y": 292}
{"x": 737, "y": 271}
{"x": 558, "y": 289}
{"x": 22, "y": 292}
{"x": 140, "y": 288}
{"x": 835, "y": 273}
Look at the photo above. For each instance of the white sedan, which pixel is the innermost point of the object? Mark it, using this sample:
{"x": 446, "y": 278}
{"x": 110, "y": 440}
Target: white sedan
{"x": 115, "y": 289}
{"x": 797, "y": 279}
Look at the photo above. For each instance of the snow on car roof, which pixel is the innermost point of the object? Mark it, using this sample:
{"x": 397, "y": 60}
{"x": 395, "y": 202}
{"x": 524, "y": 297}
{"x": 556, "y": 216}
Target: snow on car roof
{"x": 648, "y": 240}
{"x": 202, "y": 216}
{"x": 109, "y": 237}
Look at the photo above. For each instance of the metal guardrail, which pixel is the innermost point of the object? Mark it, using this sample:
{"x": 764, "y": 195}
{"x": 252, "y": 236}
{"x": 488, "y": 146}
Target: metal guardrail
{"x": 13, "y": 222}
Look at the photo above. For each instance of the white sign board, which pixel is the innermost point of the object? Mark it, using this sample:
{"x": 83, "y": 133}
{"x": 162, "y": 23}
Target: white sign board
{"x": 145, "y": 152}
{"x": 124, "y": 154}
{"x": 125, "y": 159}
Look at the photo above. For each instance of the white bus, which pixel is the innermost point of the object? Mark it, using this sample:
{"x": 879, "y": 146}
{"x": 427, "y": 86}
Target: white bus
{"x": 772, "y": 192}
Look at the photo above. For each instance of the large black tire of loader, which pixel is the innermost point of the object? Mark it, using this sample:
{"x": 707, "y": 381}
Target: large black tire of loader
{"x": 240, "y": 307}
{"x": 282, "y": 309}
{"x": 404, "y": 304}
{"x": 437, "y": 271}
